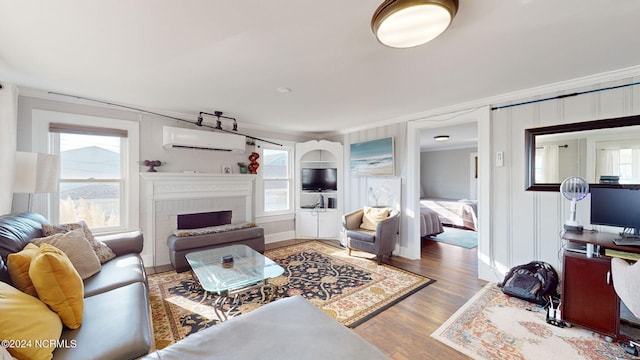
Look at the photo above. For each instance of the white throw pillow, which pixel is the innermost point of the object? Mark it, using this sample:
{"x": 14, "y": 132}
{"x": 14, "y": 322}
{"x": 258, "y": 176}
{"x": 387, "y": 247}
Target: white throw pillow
{"x": 372, "y": 216}
{"x": 78, "y": 250}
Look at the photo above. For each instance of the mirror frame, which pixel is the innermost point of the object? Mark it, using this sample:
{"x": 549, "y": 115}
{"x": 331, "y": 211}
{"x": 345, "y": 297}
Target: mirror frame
{"x": 530, "y": 146}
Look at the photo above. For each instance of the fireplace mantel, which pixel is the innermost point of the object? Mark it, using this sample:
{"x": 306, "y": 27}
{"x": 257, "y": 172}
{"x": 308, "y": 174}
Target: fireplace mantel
{"x": 197, "y": 185}
{"x": 159, "y": 188}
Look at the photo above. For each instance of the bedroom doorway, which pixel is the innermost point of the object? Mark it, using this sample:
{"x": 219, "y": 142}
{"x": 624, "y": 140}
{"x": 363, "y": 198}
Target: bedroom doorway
{"x": 439, "y": 125}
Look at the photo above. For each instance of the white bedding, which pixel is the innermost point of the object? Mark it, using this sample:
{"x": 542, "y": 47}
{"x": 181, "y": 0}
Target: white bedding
{"x": 461, "y": 213}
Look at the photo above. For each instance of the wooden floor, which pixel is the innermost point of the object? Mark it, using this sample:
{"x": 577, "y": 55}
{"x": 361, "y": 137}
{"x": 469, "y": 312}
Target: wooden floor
{"x": 404, "y": 330}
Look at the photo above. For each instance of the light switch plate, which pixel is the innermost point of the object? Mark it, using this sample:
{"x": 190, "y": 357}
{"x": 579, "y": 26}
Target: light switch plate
{"x": 500, "y": 159}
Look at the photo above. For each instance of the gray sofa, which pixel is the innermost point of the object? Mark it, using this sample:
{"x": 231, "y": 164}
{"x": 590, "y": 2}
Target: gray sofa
{"x": 116, "y": 319}
{"x": 179, "y": 246}
{"x": 290, "y": 328}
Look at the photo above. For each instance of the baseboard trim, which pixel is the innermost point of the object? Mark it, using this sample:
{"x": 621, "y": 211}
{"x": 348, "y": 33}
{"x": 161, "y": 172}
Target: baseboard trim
{"x": 281, "y": 236}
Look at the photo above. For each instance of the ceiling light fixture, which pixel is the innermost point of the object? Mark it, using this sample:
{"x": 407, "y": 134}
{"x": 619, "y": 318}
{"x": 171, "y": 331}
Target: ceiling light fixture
{"x": 441, "y": 138}
{"x": 409, "y": 23}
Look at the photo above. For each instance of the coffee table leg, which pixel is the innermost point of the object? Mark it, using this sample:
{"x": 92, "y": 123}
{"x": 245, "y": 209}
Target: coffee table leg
{"x": 218, "y": 307}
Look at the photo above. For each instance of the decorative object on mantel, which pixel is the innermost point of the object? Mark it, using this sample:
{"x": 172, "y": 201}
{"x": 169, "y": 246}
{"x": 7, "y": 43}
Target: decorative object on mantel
{"x": 152, "y": 165}
{"x": 243, "y": 167}
{"x": 227, "y": 169}
{"x": 253, "y": 166}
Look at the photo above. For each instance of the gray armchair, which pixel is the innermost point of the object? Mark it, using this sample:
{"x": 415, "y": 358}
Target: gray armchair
{"x": 380, "y": 242}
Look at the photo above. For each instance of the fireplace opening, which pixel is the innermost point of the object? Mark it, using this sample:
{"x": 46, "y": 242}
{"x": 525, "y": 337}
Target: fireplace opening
{"x": 202, "y": 220}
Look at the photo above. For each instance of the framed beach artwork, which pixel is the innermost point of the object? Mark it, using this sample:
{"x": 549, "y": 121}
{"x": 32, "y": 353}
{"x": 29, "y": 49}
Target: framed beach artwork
{"x": 372, "y": 158}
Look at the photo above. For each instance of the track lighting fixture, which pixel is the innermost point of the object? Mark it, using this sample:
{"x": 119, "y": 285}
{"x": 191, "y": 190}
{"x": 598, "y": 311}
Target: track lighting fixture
{"x": 219, "y": 116}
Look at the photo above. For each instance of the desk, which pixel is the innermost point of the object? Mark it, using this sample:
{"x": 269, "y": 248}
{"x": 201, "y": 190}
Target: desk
{"x": 588, "y": 297}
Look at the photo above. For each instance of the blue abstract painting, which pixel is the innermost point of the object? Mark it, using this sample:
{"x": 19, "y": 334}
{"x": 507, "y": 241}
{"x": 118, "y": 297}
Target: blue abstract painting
{"x": 373, "y": 157}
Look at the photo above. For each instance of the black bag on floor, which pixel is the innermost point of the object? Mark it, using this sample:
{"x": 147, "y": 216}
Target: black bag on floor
{"x": 534, "y": 282}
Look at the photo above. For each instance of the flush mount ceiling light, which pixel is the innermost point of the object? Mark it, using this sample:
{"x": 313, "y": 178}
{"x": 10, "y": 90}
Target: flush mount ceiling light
{"x": 409, "y": 23}
{"x": 441, "y": 138}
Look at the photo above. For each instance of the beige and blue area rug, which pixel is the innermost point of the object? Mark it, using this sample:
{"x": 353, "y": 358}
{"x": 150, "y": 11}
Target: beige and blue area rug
{"x": 350, "y": 289}
{"x": 493, "y": 325}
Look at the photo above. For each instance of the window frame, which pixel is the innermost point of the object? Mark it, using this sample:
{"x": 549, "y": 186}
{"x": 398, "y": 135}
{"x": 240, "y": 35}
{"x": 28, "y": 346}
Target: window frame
{"x": 45, "y": 142}
{"x": 260, "y": 182}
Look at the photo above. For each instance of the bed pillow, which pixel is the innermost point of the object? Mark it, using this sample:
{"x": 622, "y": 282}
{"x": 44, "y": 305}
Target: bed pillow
{"x": 372, "y": 216}
{"x": 27, "y": 318}
{"x": 103, "y": 252}
{"x": 18, "y": 266}
{"x": 58, "y": 284}
{"x": 77, "y": 249}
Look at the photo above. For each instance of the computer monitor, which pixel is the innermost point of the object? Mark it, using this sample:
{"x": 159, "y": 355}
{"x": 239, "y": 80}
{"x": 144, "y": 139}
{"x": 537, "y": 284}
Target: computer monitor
{"x": 616, "y": 207}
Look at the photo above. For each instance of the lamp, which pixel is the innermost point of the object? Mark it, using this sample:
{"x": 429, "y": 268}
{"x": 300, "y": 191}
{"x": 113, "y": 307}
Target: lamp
{"x": 36, "y": 173}
{"x": 409, "y": 23}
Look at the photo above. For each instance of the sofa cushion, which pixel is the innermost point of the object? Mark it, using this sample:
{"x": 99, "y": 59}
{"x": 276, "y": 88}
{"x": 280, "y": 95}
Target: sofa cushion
{"x": 77, "y": 248}
{"x": 58, "y": 284}
{"x": 290, "y": 328}
{"x": 123, "y": 270}
{"x": 199, "y": 241}
{"x": 372, "y": 216}
{"x": 102, "y": 251}
{"x": 15, "y": 232}
{"x": 116, "y": 325}
{"x": 27, "y": 318}
{"x": 18, "y": 265}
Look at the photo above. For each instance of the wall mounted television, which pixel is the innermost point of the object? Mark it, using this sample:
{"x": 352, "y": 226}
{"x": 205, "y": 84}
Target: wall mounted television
{"x": 319, "y": 179}
{"x": 618, "y": 207}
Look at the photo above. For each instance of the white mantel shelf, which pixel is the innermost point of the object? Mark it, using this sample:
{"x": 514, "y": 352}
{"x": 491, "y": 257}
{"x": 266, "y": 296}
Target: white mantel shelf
{"x": 188, "y": 175}
{"x": 197, "y": 185}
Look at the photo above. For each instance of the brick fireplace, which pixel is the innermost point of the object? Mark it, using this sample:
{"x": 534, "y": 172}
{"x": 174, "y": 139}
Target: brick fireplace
{"x": 167, "y": 195}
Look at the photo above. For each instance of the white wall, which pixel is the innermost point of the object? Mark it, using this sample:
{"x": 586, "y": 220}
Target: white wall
{"x": 524, "y": 224}
{"x": 175, "y": 160}
{"x": 8, "y": 119}
{"x": 355, "y": 190}
{"x": 516, "y": 226}
{"x": 445, "y": 173}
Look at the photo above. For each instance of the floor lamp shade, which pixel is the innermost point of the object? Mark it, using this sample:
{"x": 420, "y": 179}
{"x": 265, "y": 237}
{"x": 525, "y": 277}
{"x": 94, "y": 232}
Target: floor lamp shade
{"x": 36, "y": 173}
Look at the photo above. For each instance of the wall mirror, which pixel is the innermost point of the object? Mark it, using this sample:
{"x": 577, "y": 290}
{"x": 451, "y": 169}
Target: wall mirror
{"x": 604, "y": 152}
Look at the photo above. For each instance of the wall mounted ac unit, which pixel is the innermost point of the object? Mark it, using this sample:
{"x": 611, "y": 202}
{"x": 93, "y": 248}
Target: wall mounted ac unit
{"x": 173, "y": 137}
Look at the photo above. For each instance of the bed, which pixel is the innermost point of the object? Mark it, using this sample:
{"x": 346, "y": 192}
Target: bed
{"x": 459, "y": 213}
{"x": 430, "y": 224}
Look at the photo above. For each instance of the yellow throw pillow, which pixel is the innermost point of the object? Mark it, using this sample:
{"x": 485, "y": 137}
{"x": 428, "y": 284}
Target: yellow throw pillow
{"x": 28, "y": 323}
{"x": 58, "y": 284}
{"x": 77, "y": 249}
{"x": 372, "y": 216}
{"x": 18, "y": 266}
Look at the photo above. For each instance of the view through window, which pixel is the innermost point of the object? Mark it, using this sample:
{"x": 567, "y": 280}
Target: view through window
{"x": 277, "y": 180}
{"x": 91, "y": 181}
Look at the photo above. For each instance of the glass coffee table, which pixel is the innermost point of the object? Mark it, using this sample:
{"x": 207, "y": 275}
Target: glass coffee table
{"x": 249, "y": 270}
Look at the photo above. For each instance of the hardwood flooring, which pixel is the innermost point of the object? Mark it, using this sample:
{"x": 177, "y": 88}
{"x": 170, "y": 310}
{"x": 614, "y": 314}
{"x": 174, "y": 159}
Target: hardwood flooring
{"x": 404, "y": 330}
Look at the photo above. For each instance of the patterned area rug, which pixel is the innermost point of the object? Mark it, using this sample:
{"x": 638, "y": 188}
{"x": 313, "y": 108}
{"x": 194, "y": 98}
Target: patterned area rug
{"x": 493, "y": 325}
{"x": 349, "y": 289}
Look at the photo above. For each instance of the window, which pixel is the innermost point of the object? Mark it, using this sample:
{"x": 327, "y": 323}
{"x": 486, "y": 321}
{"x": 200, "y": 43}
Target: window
{"x": 276, "y": 180}
{"x": 98, "y": 169}
{"x": 91, "y": 179}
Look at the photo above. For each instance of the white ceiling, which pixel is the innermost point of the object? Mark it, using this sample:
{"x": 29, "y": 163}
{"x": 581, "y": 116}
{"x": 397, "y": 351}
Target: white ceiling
{"x": 204, "y": 55}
